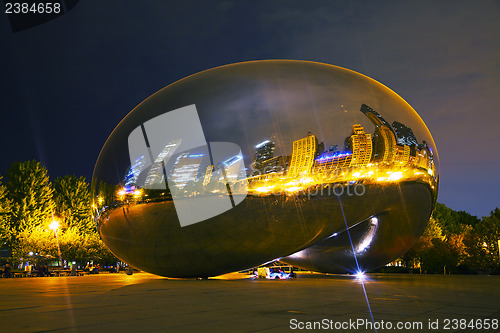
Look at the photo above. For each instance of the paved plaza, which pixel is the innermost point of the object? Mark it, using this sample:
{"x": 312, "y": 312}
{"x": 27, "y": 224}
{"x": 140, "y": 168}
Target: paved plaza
{"x": 147, "y": 303}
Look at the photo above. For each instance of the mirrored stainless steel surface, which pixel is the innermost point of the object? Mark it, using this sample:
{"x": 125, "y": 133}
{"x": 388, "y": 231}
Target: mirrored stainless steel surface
{"x": 238, "y": 165}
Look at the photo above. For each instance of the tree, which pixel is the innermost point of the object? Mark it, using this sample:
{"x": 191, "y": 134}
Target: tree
{"x": 439, "y": 256}
{"x": 453, "y": 222}
{"x": 5, "y": 217}
{"x": 488, "y": 235}
{"x": 73, "y": 203}
{"x": 38, "y": 240}
{"x": 414, "y": 255}
{"x": 30, "y": 190}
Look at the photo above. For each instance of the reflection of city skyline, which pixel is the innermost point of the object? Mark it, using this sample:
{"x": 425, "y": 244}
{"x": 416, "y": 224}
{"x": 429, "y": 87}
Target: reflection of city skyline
{"x": 389, "y": 144}
{"x": 389, "y": 147}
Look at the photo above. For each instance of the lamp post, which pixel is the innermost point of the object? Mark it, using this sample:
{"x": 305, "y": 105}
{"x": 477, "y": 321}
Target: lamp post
{"x": 54, "y": 225}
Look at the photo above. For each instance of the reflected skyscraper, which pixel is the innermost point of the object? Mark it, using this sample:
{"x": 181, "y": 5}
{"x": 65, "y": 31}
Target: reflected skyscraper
{"x": 264, "y": 152}
{"x": 384, "y": 138}
{"x": 304, "y": 151}
{"x": 361, "y": 144}
{"x": 405, "y": 136}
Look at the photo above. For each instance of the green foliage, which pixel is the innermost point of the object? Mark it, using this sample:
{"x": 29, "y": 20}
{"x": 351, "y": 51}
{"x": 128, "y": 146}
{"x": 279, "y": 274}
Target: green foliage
{"x": 30, "y": 190}
{"x": 453, "y": 222}
{"x": 107, "y": 193}
{"x": 439, "y": 256}
{"x": 5, "y": 217}
{"x": 483, "y": 243}
{"x": 73, "y": 203}
{"x": 29, "y": 202}
{"x": 38, "y": 240}
{"x": 458, "y": 241}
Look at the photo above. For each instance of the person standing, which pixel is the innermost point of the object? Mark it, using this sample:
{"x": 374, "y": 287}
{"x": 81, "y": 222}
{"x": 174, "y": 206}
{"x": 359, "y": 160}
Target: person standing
{"x": 6, "y": 271}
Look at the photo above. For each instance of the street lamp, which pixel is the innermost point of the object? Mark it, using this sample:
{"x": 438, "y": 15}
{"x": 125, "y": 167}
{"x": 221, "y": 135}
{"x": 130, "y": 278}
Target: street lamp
{"x": 54, "y": 225}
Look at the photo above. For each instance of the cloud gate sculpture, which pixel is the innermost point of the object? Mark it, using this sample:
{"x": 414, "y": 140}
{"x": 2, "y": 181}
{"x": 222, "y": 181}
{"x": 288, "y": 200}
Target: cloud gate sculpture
{"x": 238, "y": 165}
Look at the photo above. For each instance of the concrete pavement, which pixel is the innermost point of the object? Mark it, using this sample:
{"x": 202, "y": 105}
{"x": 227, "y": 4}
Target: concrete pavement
{"x": 148, "y": 303}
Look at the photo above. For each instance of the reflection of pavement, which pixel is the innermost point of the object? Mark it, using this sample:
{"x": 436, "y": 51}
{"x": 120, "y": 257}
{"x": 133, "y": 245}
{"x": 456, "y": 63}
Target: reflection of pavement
{"x": 144, "y": 302}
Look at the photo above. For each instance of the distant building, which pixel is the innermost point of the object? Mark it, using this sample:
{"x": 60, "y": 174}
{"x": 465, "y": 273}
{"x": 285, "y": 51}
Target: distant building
{"x": 375, "y": 117}
{"x": 424, "y": 156}
{"x": 361, "y": 144}
{"x": 329, "y": 162}
{"x": 156, "y": 178}
{"x": 405, "y": 136}
{"x": 304, "y": 151}
{"x": 384, "y": 138}
{"x": 186, "y": 168}
{"x": 132, "y": 176}
{"x": 264, "y": 151}
{"x": 402, "y": 154}
{"x": 276, "y": 164}
{"x": 358, "y": 153}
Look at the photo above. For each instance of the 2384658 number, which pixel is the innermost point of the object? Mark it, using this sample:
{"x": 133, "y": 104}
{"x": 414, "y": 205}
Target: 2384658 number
{"x": 485, "y": 324}
{"x": 34, "y": 8}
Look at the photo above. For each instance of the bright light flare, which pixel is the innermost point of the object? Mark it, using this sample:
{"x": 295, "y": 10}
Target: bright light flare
{"x": 294, "y": 189}
{"x": 395, "y": 176}
{"x": 360, "y": 276}
{"x": 54, "y": 225}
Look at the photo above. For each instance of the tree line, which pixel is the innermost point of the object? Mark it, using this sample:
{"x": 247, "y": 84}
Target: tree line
{"x": 30, "y": 202}
{"x": 457, "y": 242}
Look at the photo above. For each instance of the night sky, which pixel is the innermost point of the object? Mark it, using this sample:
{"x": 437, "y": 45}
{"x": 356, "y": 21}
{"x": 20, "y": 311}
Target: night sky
{"x": 67, "y": 83}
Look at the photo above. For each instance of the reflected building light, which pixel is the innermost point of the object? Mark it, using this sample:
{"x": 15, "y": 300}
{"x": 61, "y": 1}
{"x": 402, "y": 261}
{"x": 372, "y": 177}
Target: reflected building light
{"x": 156, "y": 176}
{"x": 133, "y": 174}
{"x": 262, "y": 144}
{"x": 304, "y": 151}
{"x": 395, "y": 176}
{"x": 208, "y": 175}
{"x": 368, "y": 237}
{"x": 230, "y": 161}
{"x": 299, "y": 255}
{"x": 185, "y": 169}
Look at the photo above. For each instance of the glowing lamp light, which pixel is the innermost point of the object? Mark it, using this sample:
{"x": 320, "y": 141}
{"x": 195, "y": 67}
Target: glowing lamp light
{"x": 395, "y": 176}
{"x": 360, "y": 275}
{"x": 54, "y": 225}
{"x": 293, "y": 189}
